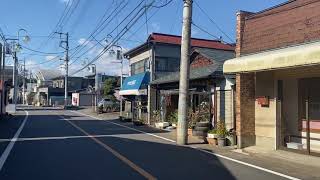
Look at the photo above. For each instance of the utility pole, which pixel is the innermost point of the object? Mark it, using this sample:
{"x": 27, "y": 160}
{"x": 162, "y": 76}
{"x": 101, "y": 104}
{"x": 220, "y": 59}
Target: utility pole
{"x": 182, "y": 136}
{"x": 15, "y": 59}
{"x": 2, "y": 50}
{"x": 24, "y": 82}
{"x": 66, "y": 60}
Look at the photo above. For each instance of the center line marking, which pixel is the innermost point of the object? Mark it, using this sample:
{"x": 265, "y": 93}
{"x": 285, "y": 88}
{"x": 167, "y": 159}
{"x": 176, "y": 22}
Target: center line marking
{"x": 195, "y": 148}
{"x": 114, "y": 152}
{"x": 8, "y": 149}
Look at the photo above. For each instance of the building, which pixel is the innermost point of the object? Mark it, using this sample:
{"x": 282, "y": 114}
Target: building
{"x": 277, "y": 77}
{"x": 74, "y": 83}
{"x": 207, "y": 85}
{"x": 5, "y": 88}
{"x": 155, "y": 58}
{"x": 44, "y": 89}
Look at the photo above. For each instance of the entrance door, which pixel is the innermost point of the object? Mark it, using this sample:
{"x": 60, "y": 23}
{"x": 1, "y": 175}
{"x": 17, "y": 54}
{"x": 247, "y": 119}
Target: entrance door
{"x": 309, "y": 107}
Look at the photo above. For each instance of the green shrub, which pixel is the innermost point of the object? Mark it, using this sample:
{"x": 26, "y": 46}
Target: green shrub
{"x": 212, "y": 131}
{"x": 173, "y": 117}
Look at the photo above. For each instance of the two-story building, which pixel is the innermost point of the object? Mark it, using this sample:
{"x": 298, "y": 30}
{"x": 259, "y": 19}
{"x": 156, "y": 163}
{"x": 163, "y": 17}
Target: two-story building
{"x": 156, "y": 58}
{"x": 278, "y": 77}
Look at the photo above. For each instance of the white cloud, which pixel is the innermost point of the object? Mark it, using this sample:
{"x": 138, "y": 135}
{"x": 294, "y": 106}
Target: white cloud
{"x": 51, "y": 57}
{"x": 82, "y": 40}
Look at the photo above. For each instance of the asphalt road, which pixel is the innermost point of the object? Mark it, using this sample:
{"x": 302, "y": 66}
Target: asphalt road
{"x": 56, "y": 144}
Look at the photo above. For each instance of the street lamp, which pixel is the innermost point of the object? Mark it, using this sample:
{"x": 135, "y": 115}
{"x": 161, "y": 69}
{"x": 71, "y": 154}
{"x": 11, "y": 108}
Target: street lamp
{"x": 17, "y": 49}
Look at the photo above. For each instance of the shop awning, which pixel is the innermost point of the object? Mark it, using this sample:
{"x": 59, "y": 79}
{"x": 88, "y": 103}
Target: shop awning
{"x": 290, "y": 57}
{"x": 135, "y": 85}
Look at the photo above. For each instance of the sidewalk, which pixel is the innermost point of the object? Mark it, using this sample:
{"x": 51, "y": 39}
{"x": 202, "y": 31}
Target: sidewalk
{"x": 292, "y": 164}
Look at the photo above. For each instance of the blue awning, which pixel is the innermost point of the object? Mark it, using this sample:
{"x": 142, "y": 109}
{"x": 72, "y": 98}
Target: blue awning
{"x": 135, "y": 85}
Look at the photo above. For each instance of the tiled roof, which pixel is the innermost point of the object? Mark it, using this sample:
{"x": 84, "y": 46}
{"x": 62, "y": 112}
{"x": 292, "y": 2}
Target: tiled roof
{"x": 218, "y": 57}
{"x": 176, "y": 40}
{"x": 204, "y": 43}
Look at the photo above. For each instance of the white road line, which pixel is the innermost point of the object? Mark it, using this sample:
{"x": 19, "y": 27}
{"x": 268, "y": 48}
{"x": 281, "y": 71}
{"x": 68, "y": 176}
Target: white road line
{"x": 55, "y": 138}
{"x": 8, "y": 149}
{"x": 215, "y": 154}
{"x": 150, "y": 134}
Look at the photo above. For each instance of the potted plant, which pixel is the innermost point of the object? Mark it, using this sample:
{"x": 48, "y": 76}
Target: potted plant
{"x": 173, "y": 118}
{"x": 222, "y": 133}
{"x": 212, "y": 133}
{"x": 156, "y": 116}
{"x": 192, "y": 119}
{"x": 212, "y": 137}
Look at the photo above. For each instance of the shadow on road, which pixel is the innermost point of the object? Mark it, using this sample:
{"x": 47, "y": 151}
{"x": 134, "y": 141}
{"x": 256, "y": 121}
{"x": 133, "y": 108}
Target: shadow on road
{"x": 163, "y": 160}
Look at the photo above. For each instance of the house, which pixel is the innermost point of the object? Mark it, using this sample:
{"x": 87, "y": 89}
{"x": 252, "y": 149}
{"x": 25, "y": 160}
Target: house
{"x": 45, "y": 89}
{"x": 207, "y": 85}
{"x": 74, "y": 83}
{"x": 155, "y": 58}
{"x": 278, "y": 77}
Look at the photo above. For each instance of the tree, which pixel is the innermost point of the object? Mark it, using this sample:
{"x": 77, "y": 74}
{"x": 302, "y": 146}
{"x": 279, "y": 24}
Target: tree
{"x": 108, "y": 87}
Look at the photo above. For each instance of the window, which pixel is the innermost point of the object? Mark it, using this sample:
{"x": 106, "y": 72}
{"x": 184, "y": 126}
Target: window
{"x": 167, "y": 64}
{"x": 140, "y": 67}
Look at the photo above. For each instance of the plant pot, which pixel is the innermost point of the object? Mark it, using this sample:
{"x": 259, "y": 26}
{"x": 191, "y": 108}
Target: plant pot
{"x": 162, "y": 125}
{"x": 212, "y": 135}
{"x": 221, "y": 141}
{"x": 231, "y": 140}
{"x": 212, "y": 141}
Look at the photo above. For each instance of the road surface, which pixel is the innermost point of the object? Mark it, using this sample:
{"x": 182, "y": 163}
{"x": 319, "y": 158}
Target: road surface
{"x": 48, "y": 144}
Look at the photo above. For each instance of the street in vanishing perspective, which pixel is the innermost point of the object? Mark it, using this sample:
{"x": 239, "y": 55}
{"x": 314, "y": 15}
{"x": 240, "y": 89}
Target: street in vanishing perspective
{"x": 52, "y": 143}
{"x": 160, "y": 89}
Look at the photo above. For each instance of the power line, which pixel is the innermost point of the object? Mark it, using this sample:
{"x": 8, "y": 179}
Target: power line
{"x": 213, "y": 22}
{"x": 33, "y": 50}
{"x": 176, "y": 13}
{"x": 133, "y": 21}
{"x": 67, "y": 6}
{"x": 205, "y": 31}
{"x": 82, "y": 13}
{"x": 142, "y": 25}
{"x": 73, "y": 10}
{"x": 98, "y": 26}
{"x": 118, "y": 25}
{"x": 163, "y": 5}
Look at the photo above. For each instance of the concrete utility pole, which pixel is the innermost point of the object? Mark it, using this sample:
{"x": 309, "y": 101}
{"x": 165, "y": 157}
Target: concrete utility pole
{"x": 67, "y": 71}
{"x": 2, "y": 50}
{"x": 182, "y": 136}
{"x": 15, "y": 63}
{"x": 66, "y": 60}
{"x": 24, "y": 82}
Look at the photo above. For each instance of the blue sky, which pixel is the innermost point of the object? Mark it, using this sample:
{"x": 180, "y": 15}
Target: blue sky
{"x": 39, "y": 17}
